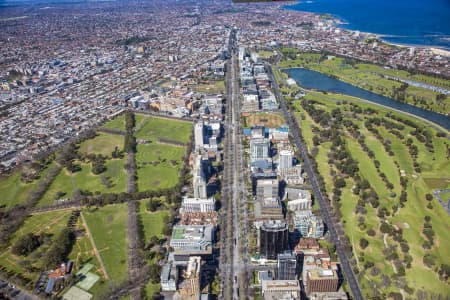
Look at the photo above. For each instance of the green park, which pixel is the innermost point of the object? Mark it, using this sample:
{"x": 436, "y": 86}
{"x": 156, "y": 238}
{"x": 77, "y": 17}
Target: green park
{"x": 375, "y": 78}
{"x": 379, "y": 168}
{"x": 88, "y": 169}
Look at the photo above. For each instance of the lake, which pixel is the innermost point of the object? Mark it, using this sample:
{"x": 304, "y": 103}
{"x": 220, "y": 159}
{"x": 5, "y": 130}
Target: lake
{"x": 315, "y": 80}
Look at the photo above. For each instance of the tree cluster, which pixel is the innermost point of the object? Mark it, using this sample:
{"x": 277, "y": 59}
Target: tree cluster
{"x": 59, "y": 250}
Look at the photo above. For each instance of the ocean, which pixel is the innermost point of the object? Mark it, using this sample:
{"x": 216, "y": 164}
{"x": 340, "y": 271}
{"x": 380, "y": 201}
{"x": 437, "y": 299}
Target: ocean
{"x": 410, "y": 22}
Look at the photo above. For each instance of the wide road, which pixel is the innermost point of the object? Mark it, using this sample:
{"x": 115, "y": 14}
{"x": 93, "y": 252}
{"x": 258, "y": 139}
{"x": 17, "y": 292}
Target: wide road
{"x": 234, "y": 280}
{"x": 323, "y": 201}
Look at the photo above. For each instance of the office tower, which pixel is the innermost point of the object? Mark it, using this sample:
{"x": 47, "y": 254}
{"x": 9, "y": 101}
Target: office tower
{"x": 273, "y": 238}
{"x": 285, "y": 157}
{"x": 287, "y": 266}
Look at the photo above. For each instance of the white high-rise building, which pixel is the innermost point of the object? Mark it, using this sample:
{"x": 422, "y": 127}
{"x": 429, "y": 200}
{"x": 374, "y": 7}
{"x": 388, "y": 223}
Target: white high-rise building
{"x": 285, "y": 159}
{"x": 199, "y": 180}
{"x": 259, "y": 149}
{"x": 198, "y": 135}
{"x": 198, "y": 204}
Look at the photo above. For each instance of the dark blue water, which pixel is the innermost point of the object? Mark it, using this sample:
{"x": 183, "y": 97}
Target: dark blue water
{"x": 318, "y": 81}
{"x": 413, "y": 22}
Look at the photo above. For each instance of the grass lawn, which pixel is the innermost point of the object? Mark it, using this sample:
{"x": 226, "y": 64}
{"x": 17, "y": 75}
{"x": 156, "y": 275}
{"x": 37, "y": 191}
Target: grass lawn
{"x": 103, "y": 143}
{"x": 82, "y": 253}
{"x": 265, "y": 54}
{"x": 372, "y": 77}
{"x": 269, "y": 120}
{"x": 163, "y": 174}
{"x": 118, "y": 123}
{"x": 214, "y": 87}
{"x": 86, "y": 180}
{"x": 410, "y": 218}
{"x": 49, "y": 223}
{"x": 155, "y": 127}
{"x": 14, "y": 191}
{"x": 108, "y": 226}
{"x": 152, "y": 221}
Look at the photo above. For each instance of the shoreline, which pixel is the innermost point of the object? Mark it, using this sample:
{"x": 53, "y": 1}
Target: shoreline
{"x": 340, "y": 23}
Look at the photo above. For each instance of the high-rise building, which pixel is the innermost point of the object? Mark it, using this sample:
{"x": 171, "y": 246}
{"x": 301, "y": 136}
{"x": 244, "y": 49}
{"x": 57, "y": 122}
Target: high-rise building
{"x": 267, "y": 188}
{"x": 319, "y": 273}
{"x": 280, "y": 289}
{"x": 169, "y": 278}
{"x": 308, "y": 225}
{"x": 321, "y": 280}
{"x": 199, "y": 179}
{"x": 298, "y": 199}
{"x": 287, "y": 266}
{"x": 191, "y": 285}
{"x": 198, "y": 204}
{"x": 192, "y": 237}
{"x": 250, "y": 103}
{"x": 259, "y": 149}
{"x": 198, "y": 135}
{"x": 285, "y": 159}
{"x": 268, "y": 209}
{"x": 200, "y": 187}
{"x": 273, "y": 238}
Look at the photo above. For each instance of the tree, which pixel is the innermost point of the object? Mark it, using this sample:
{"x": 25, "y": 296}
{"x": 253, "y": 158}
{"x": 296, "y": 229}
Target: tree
{"x": 153, "y": 204}
{"x": 154, "y": 271}
{"x": 26, "y": 244}
{"x": 60, "y": 249}
{"x": 429, "y": 197}
{"x": 339, "y": 183}
{"x": 371, "y": 232}
{"x": 429, "y": 260}
{"x": 385, "y": 228}
{"x": 363, "y": 243}
{"x": 404, "y": 246}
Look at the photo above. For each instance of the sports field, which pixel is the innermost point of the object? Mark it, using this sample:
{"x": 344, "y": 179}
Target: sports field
{"x": 67, "y": 182}
{"x": 158, "y": 165}
{"x": 269, "y": 120}
{"x": 103, "y": 143}
{"x": 118, "y": 123}
{"x": 214, "y": 87}
{"x": 152, "y": 128}
{"x": 108, "y": 226}
{"x": 152, "y": 221}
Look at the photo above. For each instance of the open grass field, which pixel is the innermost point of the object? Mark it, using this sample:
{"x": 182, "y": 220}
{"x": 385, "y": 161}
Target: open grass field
{"x": 269, "y": 120}
{"x": 108, "y": 226}
{"x": 83, "y": 253}
{"x": 152, "y": 221}
{"x": 118, "y": 123}
{"x": 214, "y": 87}
{"x": 14, "y": 191}
{"x": 48, "y": 223}
{"x": 265, "y": 54}
{"x": 155, "y": 168}
{"x": 85, "y": 180}
{"x": 374, "y": 78}
{"x": 410, "y": 218}
{"x": 155, "y": 127}
{"x": 103, "y": 143}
